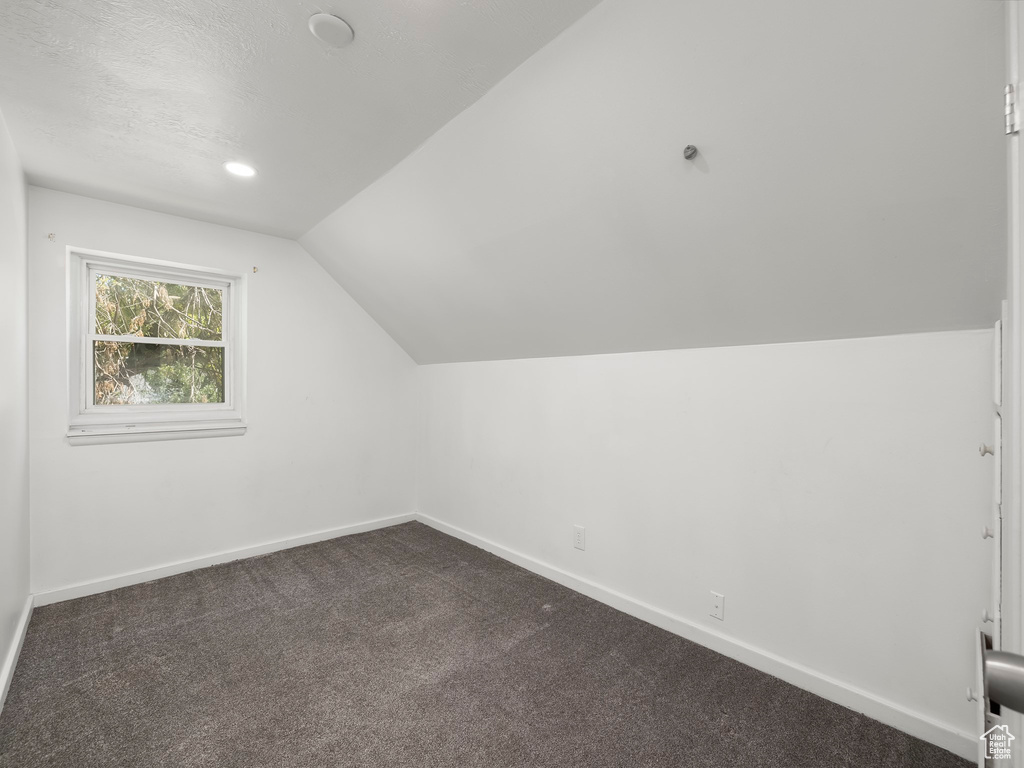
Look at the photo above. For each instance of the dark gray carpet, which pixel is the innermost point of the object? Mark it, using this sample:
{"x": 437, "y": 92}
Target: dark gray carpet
{"x": 401, "y": 647}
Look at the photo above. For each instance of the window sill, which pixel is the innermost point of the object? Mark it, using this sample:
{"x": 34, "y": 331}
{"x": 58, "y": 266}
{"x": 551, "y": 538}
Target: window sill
{"x": 99, "y": 435}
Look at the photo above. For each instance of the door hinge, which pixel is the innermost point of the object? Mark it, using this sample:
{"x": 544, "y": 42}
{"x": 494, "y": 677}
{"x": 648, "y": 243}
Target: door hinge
{"x": 1012, "y": 124}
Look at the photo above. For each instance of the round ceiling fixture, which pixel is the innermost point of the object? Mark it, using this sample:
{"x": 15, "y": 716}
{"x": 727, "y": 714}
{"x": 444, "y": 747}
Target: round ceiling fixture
{"x": 239, "y": 169}
{"x": 331, "y": 30}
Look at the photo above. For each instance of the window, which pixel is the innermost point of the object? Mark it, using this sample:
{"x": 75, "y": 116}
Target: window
{"x": 156, "y": 350}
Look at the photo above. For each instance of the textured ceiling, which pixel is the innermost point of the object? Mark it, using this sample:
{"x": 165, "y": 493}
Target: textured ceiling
{"x": 141, "y": 101}
{"x": 850, "y": 182}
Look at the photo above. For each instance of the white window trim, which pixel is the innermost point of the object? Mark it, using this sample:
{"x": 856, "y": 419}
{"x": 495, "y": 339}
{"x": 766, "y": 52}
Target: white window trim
{"x": 89, "y": 424}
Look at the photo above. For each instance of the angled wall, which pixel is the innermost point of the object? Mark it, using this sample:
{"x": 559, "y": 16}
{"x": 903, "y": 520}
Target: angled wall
{"x": 330, "y": 412}
{"x": 850, "y": 183}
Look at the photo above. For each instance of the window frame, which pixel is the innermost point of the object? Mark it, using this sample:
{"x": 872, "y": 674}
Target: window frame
{"x": 89, "y": 423}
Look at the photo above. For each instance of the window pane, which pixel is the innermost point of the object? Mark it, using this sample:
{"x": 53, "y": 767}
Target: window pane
{"x": 128, "y": 306}
{"x": 153, "y": 374}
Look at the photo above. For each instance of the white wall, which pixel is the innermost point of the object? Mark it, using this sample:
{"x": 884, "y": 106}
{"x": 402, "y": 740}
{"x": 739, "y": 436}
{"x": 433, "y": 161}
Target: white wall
{"x": 849, "y": 184}
{"x": 833, "y": 491}
{"x": 1011, "y": 626}
{"x": 14, "y": 506}
{"x": 330, "y": 411}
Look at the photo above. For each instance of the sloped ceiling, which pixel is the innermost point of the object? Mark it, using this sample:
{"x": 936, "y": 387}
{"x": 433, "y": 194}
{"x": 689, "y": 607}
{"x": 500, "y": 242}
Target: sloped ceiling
{"x": 141, "y": 101}
{"x": 850, "y": 182}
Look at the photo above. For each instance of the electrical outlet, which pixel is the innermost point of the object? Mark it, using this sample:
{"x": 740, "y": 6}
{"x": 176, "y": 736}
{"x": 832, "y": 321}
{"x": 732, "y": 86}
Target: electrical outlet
{"x": 718, "y": 606}
{"x": 579, "y": 538}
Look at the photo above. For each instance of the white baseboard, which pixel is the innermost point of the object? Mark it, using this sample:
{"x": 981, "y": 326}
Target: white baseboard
{"x": 11, "y": 659}
{"x": 85, "y": 588}
{"x": 888, "y": 712}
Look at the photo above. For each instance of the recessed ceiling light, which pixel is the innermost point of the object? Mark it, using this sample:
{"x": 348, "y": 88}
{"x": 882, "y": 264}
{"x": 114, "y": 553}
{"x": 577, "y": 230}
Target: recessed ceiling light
{"x": 331, "y": 30}
{"x": 239, "y": 169}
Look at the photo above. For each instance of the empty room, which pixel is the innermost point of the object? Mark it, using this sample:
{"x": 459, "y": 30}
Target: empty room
{"x": 511, "y": 383}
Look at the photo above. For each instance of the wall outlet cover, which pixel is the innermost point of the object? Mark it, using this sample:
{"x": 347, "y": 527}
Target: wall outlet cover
{"x": 718, "y": 606}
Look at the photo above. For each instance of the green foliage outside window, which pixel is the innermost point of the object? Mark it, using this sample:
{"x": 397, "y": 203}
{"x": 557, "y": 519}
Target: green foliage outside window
{"x": 135, "y": 373}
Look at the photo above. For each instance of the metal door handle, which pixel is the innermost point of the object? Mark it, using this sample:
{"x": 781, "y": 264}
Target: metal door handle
{"x": 1004, "y": 679}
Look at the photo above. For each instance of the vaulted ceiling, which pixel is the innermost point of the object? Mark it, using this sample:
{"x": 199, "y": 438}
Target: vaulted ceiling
{"x": 506, "y": 178}
{"x": 141, "y": 101}
{"x": 850, "y": 181}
